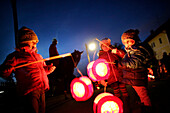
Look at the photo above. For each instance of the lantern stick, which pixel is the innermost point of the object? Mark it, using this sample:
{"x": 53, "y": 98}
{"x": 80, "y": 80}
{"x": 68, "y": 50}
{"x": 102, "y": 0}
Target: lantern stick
{"x": 108, "y": 56}
{"x": 50, "y": 58}
{"x": 76, "y": 66}
{"x": 105, "y": 87}
{"x": 87, "y": 53}
{"x": 110, "y": 62}
{"x": 79, "y": 71}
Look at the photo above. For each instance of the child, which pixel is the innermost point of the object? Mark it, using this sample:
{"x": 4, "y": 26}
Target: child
{"x": 106, "y": 53}
{"x": 134, "y": 65}
{"x": 32, "y": 80}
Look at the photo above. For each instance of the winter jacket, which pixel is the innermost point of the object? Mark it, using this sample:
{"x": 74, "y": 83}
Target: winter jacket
{"x": 135, "y": 63}
{"x": 29, "y": 78}
{"x": 115, "y": 72}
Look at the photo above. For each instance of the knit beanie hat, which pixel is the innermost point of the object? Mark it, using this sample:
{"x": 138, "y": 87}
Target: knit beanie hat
{"x": 25, "y": 34}
{"x": 131, "y": 34}
{"x": 106, "y": 41}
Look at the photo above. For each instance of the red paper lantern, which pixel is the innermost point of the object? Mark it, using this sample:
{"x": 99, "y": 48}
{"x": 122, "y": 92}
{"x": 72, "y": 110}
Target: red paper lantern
{"x": 89, "y": 71}
{"x": 81, "y": 88}
{"x": 101, "y": 69}
{"x": 107, "y": 103}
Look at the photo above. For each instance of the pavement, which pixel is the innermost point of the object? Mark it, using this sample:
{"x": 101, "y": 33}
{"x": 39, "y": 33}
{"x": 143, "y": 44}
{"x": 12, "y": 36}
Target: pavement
{"x": 158, "y": 91}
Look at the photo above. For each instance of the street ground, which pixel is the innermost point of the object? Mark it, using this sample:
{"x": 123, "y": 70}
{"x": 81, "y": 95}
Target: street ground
{"x": 158, "y": 91}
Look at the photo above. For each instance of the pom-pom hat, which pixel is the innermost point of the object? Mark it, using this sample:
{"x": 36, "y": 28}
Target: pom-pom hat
{"x": 105, "y": 41}
{"x": 25, "y": 34}
{"x": 131, "y": 34}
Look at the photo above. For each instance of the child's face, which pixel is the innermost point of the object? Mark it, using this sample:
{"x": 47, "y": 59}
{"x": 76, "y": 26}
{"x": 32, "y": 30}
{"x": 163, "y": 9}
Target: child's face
{"x": 32, "y": 44}
{"x": 104, "y": 47}
{"x": 128, "y": 42}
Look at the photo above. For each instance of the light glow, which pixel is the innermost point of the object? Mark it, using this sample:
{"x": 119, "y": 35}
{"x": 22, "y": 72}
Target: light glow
{"x": 79, "y": 89}
{"x": 101, "y": 96}
{"x": 92, "y": 46}
{"x": 107, "y": 103}
{"x": 89, "y": 71}
{"x": 110, "y": 107}
{"x": 101, "y": 69}
{"x": 151, "y": 76}
{"x": 86, "y": 80}
{"x": 1, "y": 91}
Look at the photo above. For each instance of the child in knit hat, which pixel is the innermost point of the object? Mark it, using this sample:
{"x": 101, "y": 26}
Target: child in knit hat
{"x": 115, "y": 76}
{"x": 134, "y": 65}
{"x": 32, "y": 80}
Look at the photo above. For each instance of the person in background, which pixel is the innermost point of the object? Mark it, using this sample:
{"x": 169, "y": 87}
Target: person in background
{"x": 53, "y": 49}
{"x": 53, "y": 52}
{"x": 53, "y": 77}
{"x": 32, "y": 80}
{"x": 165, "y": 64}
{"x": 134, "y": 66}
{"x": 115, "y": 73}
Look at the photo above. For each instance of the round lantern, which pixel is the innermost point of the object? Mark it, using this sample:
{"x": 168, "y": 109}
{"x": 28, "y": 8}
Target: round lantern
{"x": 107, "y": 103}
{"x": 101, "y": 69}
{"x": 89, "y": 71}
{"x": 81, "y": 88}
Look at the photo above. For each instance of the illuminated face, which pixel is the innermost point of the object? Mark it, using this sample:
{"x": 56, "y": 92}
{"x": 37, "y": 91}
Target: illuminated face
{"x": 32, "y": 44}
{"x": 128, "y": 42}
{"x": 104, "y": 47}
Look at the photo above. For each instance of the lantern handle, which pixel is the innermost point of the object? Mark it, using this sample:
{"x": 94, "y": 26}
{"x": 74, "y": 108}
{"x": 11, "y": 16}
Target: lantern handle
{"x": 105, "y": 87}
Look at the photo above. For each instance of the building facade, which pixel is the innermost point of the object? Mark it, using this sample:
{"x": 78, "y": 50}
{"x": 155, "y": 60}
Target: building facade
{"x": 159, "y": 40}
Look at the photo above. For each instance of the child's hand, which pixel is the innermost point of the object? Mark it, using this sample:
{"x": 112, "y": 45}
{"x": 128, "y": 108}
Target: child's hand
{"x": 114, "y": 51}
{"x": 103, "y": 82}
{"x": 51, "y": 68}
{"x": 9, "y": 70}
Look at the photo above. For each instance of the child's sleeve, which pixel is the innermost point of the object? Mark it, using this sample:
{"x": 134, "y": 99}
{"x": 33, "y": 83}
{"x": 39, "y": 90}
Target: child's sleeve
{"x": 8, "y": 66}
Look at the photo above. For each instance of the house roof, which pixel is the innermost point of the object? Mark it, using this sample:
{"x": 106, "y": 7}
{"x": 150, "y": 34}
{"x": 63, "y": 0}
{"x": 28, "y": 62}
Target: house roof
{"x": 165, "y": 26}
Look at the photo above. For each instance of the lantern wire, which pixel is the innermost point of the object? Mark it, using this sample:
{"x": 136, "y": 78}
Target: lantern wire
{"x": 76, "y": 66}
{"x": 112, "y": 67}
{"x": 105, "y": 87}
{"x": 109, "y": 57}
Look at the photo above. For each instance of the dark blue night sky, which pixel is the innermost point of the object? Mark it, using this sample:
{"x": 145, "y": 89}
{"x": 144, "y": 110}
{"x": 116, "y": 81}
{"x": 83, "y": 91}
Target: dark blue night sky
{"x": 76, "y": 22}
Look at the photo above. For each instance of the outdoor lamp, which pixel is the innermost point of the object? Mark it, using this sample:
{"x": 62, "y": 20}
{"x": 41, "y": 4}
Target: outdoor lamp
{"x": 92, "y": 46}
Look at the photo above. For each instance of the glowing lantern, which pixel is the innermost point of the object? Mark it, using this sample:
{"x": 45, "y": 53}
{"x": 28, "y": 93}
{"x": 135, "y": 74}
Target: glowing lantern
{"x": 101, "y": 69}
{"x": 107, "y": 103}
{"x": 81, "y": 88}
{"x": 89, "y": 71}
